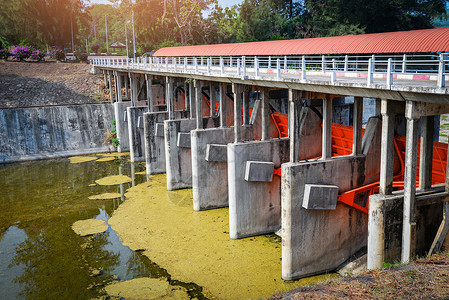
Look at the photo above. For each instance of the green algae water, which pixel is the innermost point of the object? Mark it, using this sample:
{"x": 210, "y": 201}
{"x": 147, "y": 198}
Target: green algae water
{"x": 41, "y": 257}
{"x": 152, "y": 234}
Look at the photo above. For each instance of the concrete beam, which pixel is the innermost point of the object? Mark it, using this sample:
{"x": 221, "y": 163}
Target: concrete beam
{"x": 422, "y": 109}
{"x": 259, "y": 171}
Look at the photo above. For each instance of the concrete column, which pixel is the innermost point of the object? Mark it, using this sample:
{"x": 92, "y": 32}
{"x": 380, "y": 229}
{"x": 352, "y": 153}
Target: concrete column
{"x": 426, "y": 150}
{"x": 118, "y": 91}
{"x": 169, "y": 100}
{"x": 294, "y": 110}
{"x": 199, "y": 104}
{"x": 212, "y": 99}
{"x": 126, "y": 79}
{"x": 387, "y": 148}
{"x": 411, "y": 153}
{"x": 237, "y": 90}
{"x": 265, "y": 113}
{"x": 357, "y": 126}
{"x": 149, "y": 81}
{"x": 327, "y": 128}
{"x": 192, "y": 106}
{"x": 105, "y": 78}
{"x": 111, "y": 91}
{"x": 186, "y": 95}
{"x": 245, "y": 101}
{"x": 133, "y": 83}
{"x": 376, "y": 233}
{"x": 223, "y": 102}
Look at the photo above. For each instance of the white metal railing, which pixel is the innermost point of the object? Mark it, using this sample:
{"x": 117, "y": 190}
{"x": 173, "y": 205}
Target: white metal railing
{"x": 371, "y": 67}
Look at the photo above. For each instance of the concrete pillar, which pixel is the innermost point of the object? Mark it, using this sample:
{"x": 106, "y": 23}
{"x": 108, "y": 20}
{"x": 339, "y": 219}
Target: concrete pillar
{"x": 133, "y": 84}
{"x": 376, "y": 233}
{"x": 111, "y": 91}
{"x": 125, "y": 78}
{"x": 105, "y": 78}
{"x": 237, "y": 90}
{"x": 426, "y": 152}
{"x": 118, "y": 91}
{"x": 199, "y": 104}
{"x": 327, "y": 128}
{"x": 169, "y": 98}
{"x": 222, "y": 105}
{"x": 411, "y": 153}
{"x": 192, "y": 106}
{"x": 294, "y": 109}
{"x": 357, "y": 126}
{"x": 387, "y": 148}
{"x": 212, "y": 99}
{"x": 149, "y": 81}
{"x": 265, "y": 113}
{"x": 245, "y": 101}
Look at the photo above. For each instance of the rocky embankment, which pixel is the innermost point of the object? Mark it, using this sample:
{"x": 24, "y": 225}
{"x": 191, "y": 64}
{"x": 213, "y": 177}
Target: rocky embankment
{"x": 30, "y": 84}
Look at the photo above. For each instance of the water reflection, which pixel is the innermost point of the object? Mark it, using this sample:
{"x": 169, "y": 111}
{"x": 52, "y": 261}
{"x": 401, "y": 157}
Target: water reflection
{"x": 40, "y": 255}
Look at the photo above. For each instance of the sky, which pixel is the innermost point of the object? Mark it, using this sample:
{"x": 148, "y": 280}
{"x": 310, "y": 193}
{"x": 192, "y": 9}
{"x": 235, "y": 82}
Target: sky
{"x": 222, "y": 3}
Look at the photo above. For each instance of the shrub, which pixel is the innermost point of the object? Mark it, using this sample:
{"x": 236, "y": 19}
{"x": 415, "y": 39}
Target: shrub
{"x": 81, "y": 56}
{"x": 95, "y": 47}
{"x": 21, "y": 52}
{"x": 37, "y": 55}
{"x": 57, "y": 53}
{"x": 4, "y": 54}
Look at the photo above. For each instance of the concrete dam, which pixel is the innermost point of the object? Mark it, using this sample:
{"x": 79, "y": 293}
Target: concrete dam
{"x": 276, "y": 133}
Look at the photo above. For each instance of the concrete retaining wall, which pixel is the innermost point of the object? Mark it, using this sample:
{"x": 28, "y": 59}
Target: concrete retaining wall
{"x": 179, "y": 158}
{"x": 154, "y": 140}
{"x": 48, "y": 132}
{"x": 135, "y": 131}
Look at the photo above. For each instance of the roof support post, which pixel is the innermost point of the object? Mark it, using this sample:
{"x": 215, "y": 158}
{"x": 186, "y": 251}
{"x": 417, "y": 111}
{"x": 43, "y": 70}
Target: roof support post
{"x": 244, "y": 65}
{"x": 411, "y": 153}
{"x": 208, "y": 65}
{"x": 441, "y": 69}
{"x": 199, "y": 104}
{"x": 404, "y": 63}
{"x": 370, "y": 76}
{"x": 389, "y": 74}
{"x": 256, "y": 66}
{"x": 221, "y": 66}
{"x": 237, "y": 90}
{"x": 265, "y": 113}
{"x": 387, "y": 148}
{"x": 185, "y": 64}
{"x": 195, "y": 62}
{"x": 357, "y": 126}
{"x": 269, "y": 62}
{"x": 222, "y": 105}
{"x": 230, "y": 61}
{"x": 346, "y": 64}
{"x": 166, "y": 64}
{"x": 426, "y": 152}
{"x": 323, "y": 63}
{"x": 239, "y": 71}
{"x": 202, "y": 61}
{"x": 278, "y": 69}
{"x": 327, "y": 128}
{"x": 294, "y": 123}
{"x": 303, "y": 68}
{"x": 169, "y": 97}
{"x": 149, "y": 81}
{"x": 285, "y": 62}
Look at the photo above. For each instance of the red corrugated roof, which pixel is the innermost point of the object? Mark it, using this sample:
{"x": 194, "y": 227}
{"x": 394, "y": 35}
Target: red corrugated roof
{"x": 415, "y": 41}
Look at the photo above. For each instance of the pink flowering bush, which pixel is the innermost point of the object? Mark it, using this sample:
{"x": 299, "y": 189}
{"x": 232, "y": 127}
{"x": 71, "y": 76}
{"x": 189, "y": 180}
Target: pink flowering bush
{"x": 95, "y": 47}
{"x": 21, "y": 52}
{"x": 57, "y": 53}
{"x": 37, "y": 55}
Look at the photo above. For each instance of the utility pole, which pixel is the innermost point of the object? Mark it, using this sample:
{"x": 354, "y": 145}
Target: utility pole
{"x": 126, "y": 39}
{"x": 134, "y": 38}
{"x": 107, "y": 43}
{"x": 71, "y": 29}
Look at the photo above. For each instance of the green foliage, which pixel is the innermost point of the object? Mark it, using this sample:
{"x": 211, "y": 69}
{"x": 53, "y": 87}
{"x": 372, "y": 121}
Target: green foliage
{"x": 81, "y": 57}
{"x": 111, "y": 137}
{"x": 4, "y": 54}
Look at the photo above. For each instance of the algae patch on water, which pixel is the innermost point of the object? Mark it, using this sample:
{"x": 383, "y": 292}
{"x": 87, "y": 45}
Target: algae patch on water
{"x": 196, "y": 247}
{"x": 106, "y": 159}
{"x": 113, "y": 180}
{"x": 105, "y": 196}
{"x": 81, "y": 159}
{"x": 145, "y": 288}
{"x": 89, "y": 227}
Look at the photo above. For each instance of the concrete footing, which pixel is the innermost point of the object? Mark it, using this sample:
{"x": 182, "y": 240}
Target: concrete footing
{"x": 154, "y": 140}
{"x": 179, "y": 156}
{"x": 121, "y": 123}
